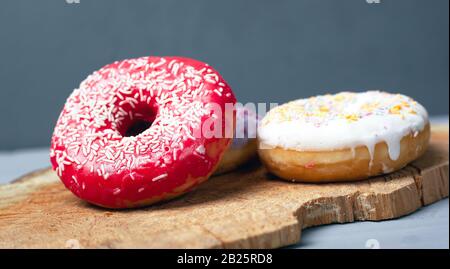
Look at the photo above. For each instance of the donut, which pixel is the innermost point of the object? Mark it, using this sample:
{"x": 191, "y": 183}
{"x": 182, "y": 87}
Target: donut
{"x": 131, "y": 134}
{"x": 244, "y": 146}
{"x": 343, "y": 137}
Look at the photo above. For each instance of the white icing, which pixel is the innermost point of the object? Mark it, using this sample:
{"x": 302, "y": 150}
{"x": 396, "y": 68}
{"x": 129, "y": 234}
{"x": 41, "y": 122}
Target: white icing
{"x": 345, "y": 120}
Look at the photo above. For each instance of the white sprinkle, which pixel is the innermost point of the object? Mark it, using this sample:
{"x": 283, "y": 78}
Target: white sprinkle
{"x": 159, "y": 177}
{"x": 200, "y": 149}
{"x": 103, "y": 168}
{"x": 171, "y": 63}
{"x": 75, "y": 180}
{"x": 58, "y": 171}
{"x": 116, "y": 191}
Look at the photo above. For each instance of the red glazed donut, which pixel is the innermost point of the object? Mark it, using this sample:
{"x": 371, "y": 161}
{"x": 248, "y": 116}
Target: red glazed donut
{"x": 100, "y": 154}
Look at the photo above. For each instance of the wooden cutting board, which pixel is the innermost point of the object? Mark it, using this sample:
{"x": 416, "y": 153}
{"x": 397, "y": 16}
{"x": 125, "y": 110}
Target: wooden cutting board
{"x": 245, "y": 209}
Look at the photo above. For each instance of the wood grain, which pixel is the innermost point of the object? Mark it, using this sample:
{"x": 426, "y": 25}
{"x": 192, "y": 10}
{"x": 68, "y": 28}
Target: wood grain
{"x": 248, "y": 208}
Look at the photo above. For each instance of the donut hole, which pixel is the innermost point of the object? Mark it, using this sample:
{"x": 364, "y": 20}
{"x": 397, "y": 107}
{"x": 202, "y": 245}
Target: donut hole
{"x": 138, "y": 121}
{"x": 137, "y": 127}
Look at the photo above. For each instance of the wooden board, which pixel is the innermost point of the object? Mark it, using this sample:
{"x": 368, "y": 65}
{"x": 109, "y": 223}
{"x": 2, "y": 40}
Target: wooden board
{"x": 245, "y": 209}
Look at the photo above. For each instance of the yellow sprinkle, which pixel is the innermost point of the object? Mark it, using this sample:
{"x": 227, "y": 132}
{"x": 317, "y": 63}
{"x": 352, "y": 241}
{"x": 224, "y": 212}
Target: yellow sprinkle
{"x": 319, "y": 115}
{"x": 324, "y": 109}
{"x": 370, "y": 106}
{"x": 351, "y": 117}
{"x": 405, "y": 104}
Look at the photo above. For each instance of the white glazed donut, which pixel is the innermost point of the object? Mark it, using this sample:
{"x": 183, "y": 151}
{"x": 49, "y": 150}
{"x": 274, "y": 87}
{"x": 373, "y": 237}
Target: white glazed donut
{"x": 347, "y": 136}
{"x": 244, "y": 146}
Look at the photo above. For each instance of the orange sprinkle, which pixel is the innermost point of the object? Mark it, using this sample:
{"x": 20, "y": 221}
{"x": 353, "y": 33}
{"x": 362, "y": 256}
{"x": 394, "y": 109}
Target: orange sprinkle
{"x": 395, "y": 109}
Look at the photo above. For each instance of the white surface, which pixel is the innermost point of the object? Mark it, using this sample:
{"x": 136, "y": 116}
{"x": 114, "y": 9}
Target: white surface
{"x": 14, "y": 164}
{"x": 426, "y": 228}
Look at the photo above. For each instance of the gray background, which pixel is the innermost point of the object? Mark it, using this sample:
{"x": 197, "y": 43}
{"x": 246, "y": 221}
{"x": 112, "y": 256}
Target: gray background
{"x": 269, "y": 51}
